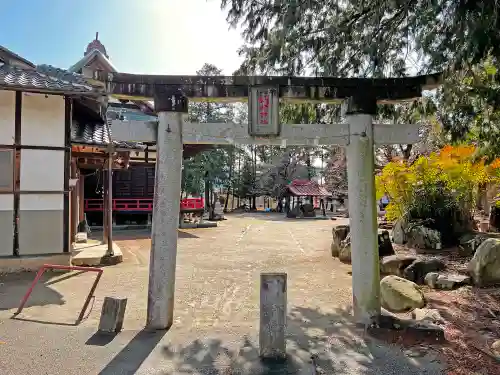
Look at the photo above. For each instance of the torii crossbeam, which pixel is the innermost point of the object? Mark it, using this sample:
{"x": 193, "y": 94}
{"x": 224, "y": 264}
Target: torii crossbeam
{"x": 360, "y": 96}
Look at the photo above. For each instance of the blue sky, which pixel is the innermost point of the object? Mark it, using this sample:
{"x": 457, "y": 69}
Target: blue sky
{"x": 141, "y": 36}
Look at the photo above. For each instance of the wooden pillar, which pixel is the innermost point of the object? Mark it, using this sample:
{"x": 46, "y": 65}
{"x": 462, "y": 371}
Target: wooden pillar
{"x": 81, "y": 197}
{"x": 104, "y": 206}
{"x": 109, "y": 221}
{"x": 73, "y": 203}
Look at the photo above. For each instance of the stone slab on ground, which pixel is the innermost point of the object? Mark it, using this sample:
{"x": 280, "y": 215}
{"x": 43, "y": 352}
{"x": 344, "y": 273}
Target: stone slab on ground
{"x": 96, "y": 256}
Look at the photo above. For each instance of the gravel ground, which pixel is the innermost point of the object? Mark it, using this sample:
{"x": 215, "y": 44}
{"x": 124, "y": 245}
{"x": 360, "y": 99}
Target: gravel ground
{"x": 216, "y": 314}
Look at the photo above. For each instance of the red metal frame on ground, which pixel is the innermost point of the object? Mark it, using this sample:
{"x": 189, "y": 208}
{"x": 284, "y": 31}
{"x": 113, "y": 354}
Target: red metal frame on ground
{"x": 140, "y": 204}
{"x": 69, "y": 268}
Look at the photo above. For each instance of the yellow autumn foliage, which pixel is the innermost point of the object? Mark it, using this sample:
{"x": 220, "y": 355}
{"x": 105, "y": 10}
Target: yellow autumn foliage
{"x": 453, "y": 171}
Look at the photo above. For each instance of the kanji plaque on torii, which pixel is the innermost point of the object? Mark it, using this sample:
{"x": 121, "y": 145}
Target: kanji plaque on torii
{"x": 263, "y": 110}
{"x": 358, "y": 134}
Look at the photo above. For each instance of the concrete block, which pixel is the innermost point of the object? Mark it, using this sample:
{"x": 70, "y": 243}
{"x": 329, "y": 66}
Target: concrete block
{"x": 112, "y": 314}
{"x": 273, "y": 290}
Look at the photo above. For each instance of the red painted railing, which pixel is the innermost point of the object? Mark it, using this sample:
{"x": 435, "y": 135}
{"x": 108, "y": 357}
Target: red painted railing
{"x": 139, "y": 205}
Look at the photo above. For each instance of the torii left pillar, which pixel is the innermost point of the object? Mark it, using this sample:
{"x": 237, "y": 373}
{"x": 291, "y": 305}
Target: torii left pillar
{"x": 170, "y": 105}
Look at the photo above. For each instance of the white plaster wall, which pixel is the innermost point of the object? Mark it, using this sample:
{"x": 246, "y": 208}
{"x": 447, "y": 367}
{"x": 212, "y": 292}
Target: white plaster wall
{"x": 41, "y": 202}
{"x": 6, "y": 202}
{"x": 7, "y": 116}
{"x": 42, "y": 120}
{"x": 42, "y": 170}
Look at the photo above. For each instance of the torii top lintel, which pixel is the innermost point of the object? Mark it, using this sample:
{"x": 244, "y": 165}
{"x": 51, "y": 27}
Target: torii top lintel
{"x": 236, "y": 88}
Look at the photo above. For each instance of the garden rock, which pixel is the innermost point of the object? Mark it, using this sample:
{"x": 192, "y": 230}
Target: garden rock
{"x": 395, "y": 264}
{"x": 431, "y": 279}
{"x": 469, "y": 243}
{"x": 398, "y": 294}
{"x": 339, "y": 234}
{"x": 484, "y": 267}
{"x": 384, "y": 244}
{"x": 427, "y": 315}
{"x": 495, "y": 348}
{"x": 398, "y": 232}
{"x": 452, "y": 281}
{"x": 419, "y": 268}
{"x": 446, "y": 281}
{"x": 424, "y": 238}
{"x": 345, "y": 250}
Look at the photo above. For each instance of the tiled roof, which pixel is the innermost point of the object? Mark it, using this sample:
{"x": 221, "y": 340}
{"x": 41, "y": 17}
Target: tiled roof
{"x": 305, "y": 188}
{"x": 98, "y": 135}
{"x": 15, "y": 56}
{"x": 45, "y": 78}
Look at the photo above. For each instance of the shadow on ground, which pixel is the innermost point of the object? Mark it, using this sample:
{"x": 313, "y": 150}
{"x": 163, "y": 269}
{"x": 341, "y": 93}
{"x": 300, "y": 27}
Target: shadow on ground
{"x": 336, "y": 345}
{"x": 276, "y": 216}
{"x": 14, "y": 286}
{"x": 143, "y": 234}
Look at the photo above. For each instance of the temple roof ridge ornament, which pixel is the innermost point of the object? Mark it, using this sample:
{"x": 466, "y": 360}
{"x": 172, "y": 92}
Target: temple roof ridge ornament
{"x": 96, "y": 45}
{"x": 95, "y": 50}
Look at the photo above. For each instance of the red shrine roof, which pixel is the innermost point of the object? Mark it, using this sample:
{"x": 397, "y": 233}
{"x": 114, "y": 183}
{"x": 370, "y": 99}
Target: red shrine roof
{"x": 305, "y": 188}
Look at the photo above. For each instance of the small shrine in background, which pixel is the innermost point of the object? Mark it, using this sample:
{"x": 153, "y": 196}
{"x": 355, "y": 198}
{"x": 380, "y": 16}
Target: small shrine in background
{"x": 303, "y": 196}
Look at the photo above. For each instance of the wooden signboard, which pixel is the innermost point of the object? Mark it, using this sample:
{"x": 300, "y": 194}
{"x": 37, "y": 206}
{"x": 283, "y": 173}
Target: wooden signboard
{"x": 263, "y": 110}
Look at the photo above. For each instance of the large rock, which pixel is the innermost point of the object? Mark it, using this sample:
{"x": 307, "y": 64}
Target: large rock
{"x": 395, "y": 264}
{"x": 469, "y": 243}
{"x": 398, "y": 294}
{"x": 446, "y": 281}
{"x": 484, "y": 267}
{"x": 424, "y": 238}
{"x": 419, "y": 268}
{"x": 339, "y": 234}
{"x": 398, "y": 232}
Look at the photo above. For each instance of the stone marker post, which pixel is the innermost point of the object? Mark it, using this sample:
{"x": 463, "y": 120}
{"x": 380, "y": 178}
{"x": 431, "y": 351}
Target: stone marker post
{"x": 273, "y": 290}
{"x": 112, "y": 315}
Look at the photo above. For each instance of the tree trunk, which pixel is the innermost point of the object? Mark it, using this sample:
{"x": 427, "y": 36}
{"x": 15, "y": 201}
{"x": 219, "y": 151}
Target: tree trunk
{"x": 308, "y": 164}
{"x": 207, "y": 195}
{"x": 229, "y": 183}
{"x": 211, "y": 212}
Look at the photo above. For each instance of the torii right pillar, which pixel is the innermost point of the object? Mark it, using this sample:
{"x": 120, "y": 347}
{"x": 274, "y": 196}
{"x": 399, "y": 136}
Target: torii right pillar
{"x": 362, "y": 209}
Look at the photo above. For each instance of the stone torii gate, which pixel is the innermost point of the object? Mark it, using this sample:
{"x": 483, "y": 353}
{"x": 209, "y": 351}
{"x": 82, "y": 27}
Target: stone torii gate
{"x": 359, "y": 134}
